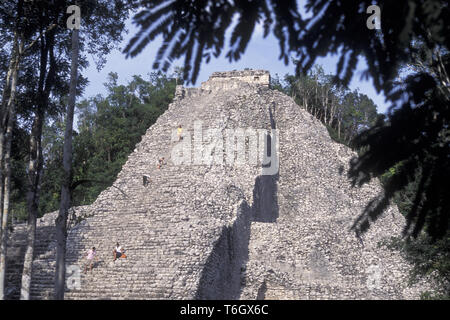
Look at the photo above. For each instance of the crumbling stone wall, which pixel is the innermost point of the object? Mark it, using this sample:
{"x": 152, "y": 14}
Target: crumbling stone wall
{"x": 226, "y": 80}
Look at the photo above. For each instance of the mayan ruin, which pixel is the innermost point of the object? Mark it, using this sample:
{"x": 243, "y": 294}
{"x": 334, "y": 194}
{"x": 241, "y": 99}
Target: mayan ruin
{"x": 277, "y": 228}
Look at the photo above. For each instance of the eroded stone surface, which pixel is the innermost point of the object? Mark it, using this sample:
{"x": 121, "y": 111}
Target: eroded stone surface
{"x": 226, "y": 231}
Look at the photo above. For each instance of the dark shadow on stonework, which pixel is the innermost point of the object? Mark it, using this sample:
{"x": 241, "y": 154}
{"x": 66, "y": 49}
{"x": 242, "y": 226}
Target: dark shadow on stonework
{"x": 223, "y": 276}
{"x": 262, "y": 291}
{"x": 271, "y": 112}
{"x": 17, "y": 245}
{"x": 265, "y": 199}
{"x": 265, "y": 193}
{"x": 14, "y": 265}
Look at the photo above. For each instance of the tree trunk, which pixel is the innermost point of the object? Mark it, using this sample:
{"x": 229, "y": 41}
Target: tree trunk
{"x": 332, "y": 112}
{"x": 339, "y": 128}
{"x": 3, "y": 118}
{"x": 61, "y": 221}
{"x": 34, "y": 174}
{"x": 2, "y": 141}
{"x": 36, "y": 159}
{"x": 6, "y": 149}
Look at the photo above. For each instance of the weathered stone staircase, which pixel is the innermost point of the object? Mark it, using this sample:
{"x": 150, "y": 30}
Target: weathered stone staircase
{"x": 226, "y": 231}
{"x": 168, "y": 227}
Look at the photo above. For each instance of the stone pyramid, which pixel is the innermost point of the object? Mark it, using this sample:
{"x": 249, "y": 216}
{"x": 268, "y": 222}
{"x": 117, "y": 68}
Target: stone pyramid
{"x": 269, "y": 219}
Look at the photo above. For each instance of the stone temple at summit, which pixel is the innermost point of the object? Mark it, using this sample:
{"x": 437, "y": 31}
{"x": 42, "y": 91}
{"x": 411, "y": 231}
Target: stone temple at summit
{"x": 273, "y": 222}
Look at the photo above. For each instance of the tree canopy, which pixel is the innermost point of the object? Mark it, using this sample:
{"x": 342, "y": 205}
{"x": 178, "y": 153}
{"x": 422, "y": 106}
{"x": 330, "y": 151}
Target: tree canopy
{"x": 345, "y": 113}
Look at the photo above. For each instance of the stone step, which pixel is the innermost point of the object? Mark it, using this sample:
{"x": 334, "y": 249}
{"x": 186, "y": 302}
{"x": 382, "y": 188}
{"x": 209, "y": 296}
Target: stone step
{"x": 186, "y": 233}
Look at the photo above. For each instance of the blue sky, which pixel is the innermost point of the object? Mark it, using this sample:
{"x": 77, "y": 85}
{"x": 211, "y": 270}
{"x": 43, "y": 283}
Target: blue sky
{"x": 261, "y": 53}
